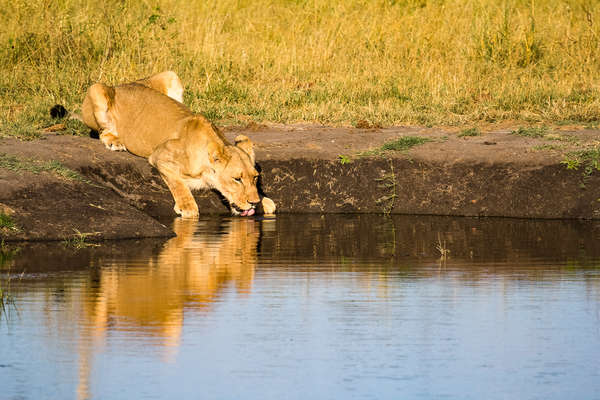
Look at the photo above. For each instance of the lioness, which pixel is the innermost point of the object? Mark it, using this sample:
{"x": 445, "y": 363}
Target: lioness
{"x": 148, "y": 119}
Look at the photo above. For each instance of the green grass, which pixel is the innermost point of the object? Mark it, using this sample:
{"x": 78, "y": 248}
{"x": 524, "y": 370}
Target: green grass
{"x": 470, "y": 132}
{"x": 543, "y": 132}
{"x": 18, "y": 164}
{"x": 587, "y": 159}
{"x": 404, "y": 143}
{"x": 7, "y": 253}
{"x": 531, "y": 132}
{"x": 74, "y": 127}
{"x": 79, "y": 240}
{"x": 7, "y": 300}
{"x": 6, "y": 222}
{"x": 344, "y": 159}
{"x": 562, "y": 138}
{"x": 387, "y": 62}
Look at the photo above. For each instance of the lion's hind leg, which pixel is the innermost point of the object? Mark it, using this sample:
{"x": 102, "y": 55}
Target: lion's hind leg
{"x": 166, "y": 82}
{"x": 97, "y": 115}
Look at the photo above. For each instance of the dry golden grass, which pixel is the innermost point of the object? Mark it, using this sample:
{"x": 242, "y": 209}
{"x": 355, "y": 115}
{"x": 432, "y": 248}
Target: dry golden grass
{"x": 388, "y": 62}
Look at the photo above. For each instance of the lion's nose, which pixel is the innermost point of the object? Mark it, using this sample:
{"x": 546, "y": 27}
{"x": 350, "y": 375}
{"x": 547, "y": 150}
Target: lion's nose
{"x": 254, "y": 203}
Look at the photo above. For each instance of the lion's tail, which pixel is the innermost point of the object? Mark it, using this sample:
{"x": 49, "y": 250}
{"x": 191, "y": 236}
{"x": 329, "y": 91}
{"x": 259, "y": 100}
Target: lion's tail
{"x": 59, "y": 111}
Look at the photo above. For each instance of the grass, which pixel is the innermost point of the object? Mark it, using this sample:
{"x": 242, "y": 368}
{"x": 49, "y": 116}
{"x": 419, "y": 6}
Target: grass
{"x": 7, "y": 300}
{"x": 344, "y": 159}
{"x": 18, "y": 164}
{"x": 548, "y": 147}
{"x": 531, "y": 132}
{"x": 404, "y": 143}
{"x": 79, "y": 240}
{"x": 6, "y": 222}
{"x": 543, "y": 132}
{"x": 470, "y": 132}
{"x": 6, "y": 253}
{"x": 587, "y": 159}
{"x": 442, "y": 248}
{"x": 387, "y": 62}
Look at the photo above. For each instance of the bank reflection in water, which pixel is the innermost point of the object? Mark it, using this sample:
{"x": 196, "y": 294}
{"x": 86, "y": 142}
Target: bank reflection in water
{"x": 150, "y": 298}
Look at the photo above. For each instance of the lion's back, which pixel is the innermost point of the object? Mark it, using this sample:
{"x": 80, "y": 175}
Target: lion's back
{"x": 146, "y": 118}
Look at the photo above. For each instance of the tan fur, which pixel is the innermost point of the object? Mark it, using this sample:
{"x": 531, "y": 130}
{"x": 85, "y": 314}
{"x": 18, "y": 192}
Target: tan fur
{"x": 147, "y": 118}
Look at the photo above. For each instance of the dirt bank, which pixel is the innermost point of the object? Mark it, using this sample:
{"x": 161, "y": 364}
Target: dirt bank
{"x": 304, "y": 169}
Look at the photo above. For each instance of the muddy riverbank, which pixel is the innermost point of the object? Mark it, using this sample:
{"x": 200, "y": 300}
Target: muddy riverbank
{"x": 305, "y": 169}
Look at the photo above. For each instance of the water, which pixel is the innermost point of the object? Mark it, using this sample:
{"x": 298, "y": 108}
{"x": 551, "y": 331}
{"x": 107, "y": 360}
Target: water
{"x": 310, "y": 307}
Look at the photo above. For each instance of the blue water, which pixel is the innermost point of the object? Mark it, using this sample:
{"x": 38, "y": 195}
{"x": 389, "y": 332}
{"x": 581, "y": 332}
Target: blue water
{"x": 310, "y": 307}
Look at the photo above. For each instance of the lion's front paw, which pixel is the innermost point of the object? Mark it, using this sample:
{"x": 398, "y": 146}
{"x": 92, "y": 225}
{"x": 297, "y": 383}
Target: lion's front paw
{"x": 117, "y": 147}
{"x": 268, "y": 205}
{"x": 186, "y": 212}
{"x": 112, "y": 142}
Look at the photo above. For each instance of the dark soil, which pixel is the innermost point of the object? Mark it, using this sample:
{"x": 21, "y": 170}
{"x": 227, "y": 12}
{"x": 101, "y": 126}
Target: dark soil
{"x": 495, "y": 174}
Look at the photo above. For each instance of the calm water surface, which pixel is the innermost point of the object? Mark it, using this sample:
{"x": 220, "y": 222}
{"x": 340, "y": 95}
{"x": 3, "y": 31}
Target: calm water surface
{"x": 310, "y": 307}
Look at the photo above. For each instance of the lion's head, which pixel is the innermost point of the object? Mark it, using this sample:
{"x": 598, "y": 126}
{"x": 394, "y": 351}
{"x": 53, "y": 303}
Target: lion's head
{"x": 234, "y": 175}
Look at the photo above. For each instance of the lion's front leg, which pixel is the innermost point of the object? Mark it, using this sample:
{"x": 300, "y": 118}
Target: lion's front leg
{"x": 189, "y": 209}
{"x": 170, "y": 171}
{"x": 185, "y": 204}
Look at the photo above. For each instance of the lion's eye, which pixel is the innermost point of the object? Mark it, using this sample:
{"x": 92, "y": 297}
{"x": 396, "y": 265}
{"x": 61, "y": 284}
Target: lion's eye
{"x": 238, "y": 180}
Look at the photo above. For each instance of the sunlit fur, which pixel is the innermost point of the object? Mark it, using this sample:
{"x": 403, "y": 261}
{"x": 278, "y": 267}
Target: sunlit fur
{"x": 188, "y": 151}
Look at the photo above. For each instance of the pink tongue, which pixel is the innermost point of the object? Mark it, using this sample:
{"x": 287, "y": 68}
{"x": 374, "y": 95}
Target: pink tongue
{"x": 248, "y": 213}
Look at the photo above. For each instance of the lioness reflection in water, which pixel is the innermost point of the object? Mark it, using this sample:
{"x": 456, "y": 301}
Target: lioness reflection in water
{"x": 187, "y": 275}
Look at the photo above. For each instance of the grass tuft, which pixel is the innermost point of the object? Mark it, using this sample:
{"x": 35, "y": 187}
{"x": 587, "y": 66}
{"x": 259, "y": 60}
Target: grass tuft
{"x": 79, "y": 240}
{"x": 344, "y": 159}
{"x": 7, "y": 300}
{"x": 6, "y": 222}
{"x": 548, "y": 147}
{"x": 531, "y": 132}
{"x": 470, "y": 132}
{"x": 7, "y": 253}
{"x": 402, "y": 144}
{"x": 405, "y": 143}
{"x": 588, "y": 159}
{"x": 442, "y": 248}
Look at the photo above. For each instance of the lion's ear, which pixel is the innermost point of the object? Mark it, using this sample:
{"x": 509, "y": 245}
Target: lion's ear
{"x": 245, "y": 144}
{"x": 216, "y": 153}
